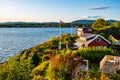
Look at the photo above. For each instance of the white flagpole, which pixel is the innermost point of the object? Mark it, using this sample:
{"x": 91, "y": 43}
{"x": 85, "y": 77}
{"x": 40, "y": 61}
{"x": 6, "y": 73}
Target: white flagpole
{"x": 71, "y": 29}
{"x": 60, "y": 37}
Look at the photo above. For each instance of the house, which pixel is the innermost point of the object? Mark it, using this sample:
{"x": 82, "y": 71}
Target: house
{"x": 115, "y": 39}
{"x": 81, "y": 31}
{"x": 90, "y": 40}
{"x": 110, "y": 64}
{"x": 117, "y": 36}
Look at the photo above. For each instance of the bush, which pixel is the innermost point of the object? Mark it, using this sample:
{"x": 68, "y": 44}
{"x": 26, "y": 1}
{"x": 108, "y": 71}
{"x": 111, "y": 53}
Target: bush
{"x": 94, "y": 54}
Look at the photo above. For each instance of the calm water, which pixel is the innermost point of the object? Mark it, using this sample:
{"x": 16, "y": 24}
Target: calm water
{"x": 14, "y": 40}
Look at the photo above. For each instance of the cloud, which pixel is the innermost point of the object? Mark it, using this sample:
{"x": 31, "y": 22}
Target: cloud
{"x": 91, "y": 17}
{"x": 99, "y": 8}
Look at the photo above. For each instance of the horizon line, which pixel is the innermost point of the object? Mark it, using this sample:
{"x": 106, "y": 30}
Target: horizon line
{"x": 53, "y": 21}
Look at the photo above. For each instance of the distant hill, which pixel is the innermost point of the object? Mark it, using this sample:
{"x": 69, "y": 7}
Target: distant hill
{"x": 29, "y": 22}
{"x": 20, "y": 22}
{"x": 83, "y": 21}
{"x": 47, "y": 24}
{"x": 75, "y": 22}
{"x": 50, "y": 22}
{"x": 112, "y": 21}
{"x": 88, "y": 21}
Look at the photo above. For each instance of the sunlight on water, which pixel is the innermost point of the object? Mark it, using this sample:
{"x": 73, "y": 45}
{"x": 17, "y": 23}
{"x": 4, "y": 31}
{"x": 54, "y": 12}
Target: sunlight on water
{"x": 14, "y": 40}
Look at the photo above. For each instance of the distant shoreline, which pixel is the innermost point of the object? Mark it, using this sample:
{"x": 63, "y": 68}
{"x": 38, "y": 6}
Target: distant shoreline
{"x": 43, "y": 27}
{"x": 74, "y": 23}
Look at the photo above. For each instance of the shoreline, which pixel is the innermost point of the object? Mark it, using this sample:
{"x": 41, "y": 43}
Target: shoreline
{"x": 22, "y": 37}
{"x": 48, "y": 40}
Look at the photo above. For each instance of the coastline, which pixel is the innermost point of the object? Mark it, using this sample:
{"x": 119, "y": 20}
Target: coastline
{"x": 18, "y": 39}
{"x": 44, "y": 59}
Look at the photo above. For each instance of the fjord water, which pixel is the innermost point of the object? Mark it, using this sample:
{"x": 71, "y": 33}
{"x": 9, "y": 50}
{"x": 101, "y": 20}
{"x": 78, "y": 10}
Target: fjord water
{"x": 14, "y": 40}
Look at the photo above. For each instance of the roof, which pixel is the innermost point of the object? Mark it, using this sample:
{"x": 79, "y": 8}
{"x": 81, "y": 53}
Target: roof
{"x": 85, "y": 35}
{"x": 97, "y": 37}
{"x": 116, "y": 36}
{"x": 79, "y": 42}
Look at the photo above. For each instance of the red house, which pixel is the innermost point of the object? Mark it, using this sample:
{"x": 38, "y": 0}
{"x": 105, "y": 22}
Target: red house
{"x": 89, "y": 40}
{"x": 81, "y": 31}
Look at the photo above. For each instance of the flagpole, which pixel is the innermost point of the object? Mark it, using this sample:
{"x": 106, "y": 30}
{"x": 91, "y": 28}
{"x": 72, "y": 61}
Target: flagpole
{"x": 60, "y": 37}
{"x": 71, "y": 29}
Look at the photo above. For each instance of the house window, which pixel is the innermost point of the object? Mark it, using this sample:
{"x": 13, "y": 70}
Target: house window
{"x": 98, "y": 39}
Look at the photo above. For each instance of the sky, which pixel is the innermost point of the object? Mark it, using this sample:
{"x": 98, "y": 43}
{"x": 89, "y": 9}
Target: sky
{"x": 56, "y": 10}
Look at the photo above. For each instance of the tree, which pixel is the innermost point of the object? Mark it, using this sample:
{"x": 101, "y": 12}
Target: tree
{"x": 14, "y": 69}
{"x": 100, "y": 24}
{"x": 116, "y": 24}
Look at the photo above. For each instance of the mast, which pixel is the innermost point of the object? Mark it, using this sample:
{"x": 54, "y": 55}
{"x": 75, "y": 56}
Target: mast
{"x": 60, "y": 35}
{"x": 71, "y": 28}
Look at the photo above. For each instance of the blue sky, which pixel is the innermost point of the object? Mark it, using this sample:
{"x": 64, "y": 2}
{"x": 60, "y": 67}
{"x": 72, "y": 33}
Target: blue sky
{"x": 55, "y": 10}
